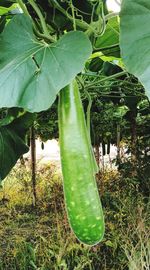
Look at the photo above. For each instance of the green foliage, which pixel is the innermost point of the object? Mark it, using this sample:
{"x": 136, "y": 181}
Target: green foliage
{"x": 135, "y": 39}
{"x": 65, "y": 15}
{"x": 40, "y": 54}
{"x": 46, "y": 124}
{"x": 7, "y": 8}
{"x": 104, "y": 119}
{"x": 108, "y": 43}
{"x": 9, "y": 153}
{"x": 110, "y": 68}
{"x": 13, "y": 129}
{"x": 2, "y": 23}
{"x": 40, "y": 38}
{"x": 42, "y": 237}
{"x": 38, "y": 65}
{"x": 95, "y": 64}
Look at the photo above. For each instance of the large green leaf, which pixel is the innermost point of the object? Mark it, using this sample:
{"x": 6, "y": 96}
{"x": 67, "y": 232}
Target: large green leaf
{"x": 135, "y": 39}
{"x": 32, "y": 72}
{"x": 12, "y": 139}
{"x": 11, "y": 148}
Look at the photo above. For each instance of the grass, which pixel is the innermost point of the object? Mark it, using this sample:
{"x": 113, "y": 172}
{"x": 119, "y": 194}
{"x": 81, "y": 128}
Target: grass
{"x": 40, "y": 238}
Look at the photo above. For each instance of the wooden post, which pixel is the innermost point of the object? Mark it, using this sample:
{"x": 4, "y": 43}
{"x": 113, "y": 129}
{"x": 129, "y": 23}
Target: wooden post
{"x": 33, "y": 164}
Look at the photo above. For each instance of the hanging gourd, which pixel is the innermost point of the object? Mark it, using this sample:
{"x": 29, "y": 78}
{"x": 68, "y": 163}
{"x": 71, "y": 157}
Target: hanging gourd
{"x": 82, "y": 200}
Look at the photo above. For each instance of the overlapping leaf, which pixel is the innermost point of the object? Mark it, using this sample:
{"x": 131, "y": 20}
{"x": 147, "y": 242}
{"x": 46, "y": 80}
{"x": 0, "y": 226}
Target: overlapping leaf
{"x": 111, "y": 35}
{"x": 108, "y": 43}
{"x": 12, "y": 139}
{"x": 32, "y": 72}
{"x": 11, "y": 148}
{"x": 135, "y": 39}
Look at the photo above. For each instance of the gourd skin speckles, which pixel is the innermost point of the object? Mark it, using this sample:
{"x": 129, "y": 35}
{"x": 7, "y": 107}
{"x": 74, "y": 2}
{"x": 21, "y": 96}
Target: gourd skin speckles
{"x": 81, "y": 195}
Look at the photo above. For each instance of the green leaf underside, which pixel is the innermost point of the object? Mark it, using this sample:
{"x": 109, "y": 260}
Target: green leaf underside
{"x": 111, "y": 35}
{"x": 135, "y": 39}
{"x": 11, "y": 148}
{"x": 32, "y": 72}
{"x": 12, "y": 138}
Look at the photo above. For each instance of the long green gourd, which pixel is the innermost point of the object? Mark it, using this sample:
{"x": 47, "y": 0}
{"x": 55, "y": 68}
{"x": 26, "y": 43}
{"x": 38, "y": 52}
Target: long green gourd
{"x": 81, "y": 195}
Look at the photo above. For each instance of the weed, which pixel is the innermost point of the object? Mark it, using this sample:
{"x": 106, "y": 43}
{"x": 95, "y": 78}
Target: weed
{"x": 40, "y": 238}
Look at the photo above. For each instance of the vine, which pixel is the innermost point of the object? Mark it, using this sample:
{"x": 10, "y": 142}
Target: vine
{"x": 45, "y": 33}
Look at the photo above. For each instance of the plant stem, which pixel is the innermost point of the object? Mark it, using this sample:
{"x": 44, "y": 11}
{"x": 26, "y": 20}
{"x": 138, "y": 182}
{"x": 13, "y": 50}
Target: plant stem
{"x": 73, "y": 16}
{"x": 46, "y": 34}
{"x": 38, "y": 12}
{"x": 43, "y": 36}
{"x": 25, "y": 11}
{"x": 88, "y": 28}
{"x": 106, "y": 48}
{"x": 111, "y": 15}
{"x": 81, "y": 24}
{"x": 23, "y": 7}
{"x": 108, "y": 78}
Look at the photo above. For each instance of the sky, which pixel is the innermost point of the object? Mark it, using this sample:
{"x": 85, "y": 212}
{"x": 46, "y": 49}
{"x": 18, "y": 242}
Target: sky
{"x": 112, "y": 5}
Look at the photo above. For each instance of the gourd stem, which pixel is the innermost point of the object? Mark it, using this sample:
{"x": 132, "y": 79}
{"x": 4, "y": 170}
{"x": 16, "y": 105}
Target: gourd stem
{"x": 25, "y": 11}
{"x": 73, "y": 16}
{"x": 23, "y": 7}
{"x": 42, "y": 20}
